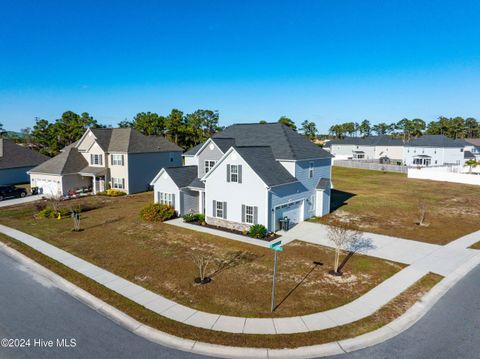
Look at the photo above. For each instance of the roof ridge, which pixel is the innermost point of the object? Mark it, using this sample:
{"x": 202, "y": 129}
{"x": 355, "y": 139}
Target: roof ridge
{"x": 284, "y": 129}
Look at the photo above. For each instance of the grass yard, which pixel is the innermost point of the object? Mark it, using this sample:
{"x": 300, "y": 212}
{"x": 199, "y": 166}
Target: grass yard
{"x": 475, "y": 246}
{"x": 383, "y": 316}
{"x": 389, "y": 203}
{"x": 158, "y": 257}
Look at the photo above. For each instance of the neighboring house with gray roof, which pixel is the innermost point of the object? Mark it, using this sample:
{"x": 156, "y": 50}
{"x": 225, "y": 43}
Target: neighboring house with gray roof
{"x": 434, "y": 150}
{"x": 119, "y": 158}
{"x": 428, "y": 150}
{"x": 249, "y": 174}
{"x": 16, "y": 160}
{"x": 367, "y": 148}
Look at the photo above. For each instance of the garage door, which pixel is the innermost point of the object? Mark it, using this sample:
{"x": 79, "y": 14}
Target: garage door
{"x": 48, "y": 188}
{"x": 292, "y": 211}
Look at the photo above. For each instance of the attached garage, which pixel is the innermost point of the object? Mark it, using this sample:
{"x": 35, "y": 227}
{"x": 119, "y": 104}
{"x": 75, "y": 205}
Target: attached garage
{"x": 47, "y": 185}
{"x": 293, "y": 211}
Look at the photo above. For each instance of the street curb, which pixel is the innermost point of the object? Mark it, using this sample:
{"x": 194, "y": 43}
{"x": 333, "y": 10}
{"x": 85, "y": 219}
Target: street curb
{"x": 409, "y": 318}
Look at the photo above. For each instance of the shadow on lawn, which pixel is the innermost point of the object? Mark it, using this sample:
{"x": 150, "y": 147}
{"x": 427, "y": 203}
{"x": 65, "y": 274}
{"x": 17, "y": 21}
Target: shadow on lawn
{"x": 232, "y": 260}
{"x": 315, "y": 265}
{"x": 339, "y": 198}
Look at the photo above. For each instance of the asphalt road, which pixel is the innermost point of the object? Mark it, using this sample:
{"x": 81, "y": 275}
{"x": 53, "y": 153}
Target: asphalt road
{"x": 450, "y": 330}
{"x": 32, "y": 308}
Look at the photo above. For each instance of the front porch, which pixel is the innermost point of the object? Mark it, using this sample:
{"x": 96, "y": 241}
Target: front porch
{"x": 97, "y": 176}
{"x": 422, "y": 160}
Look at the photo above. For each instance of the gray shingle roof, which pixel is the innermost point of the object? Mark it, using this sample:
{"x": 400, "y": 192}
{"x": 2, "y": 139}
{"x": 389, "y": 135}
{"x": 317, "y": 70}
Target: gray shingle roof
{"x": 367, "y": 141}
{"x": 324, "y": 183}
{"x": 67, "y": 161}
{"x": 284, "y": 142}
{"x": 262, "y": 161}
{"x": 468, "y": 154}
{"x": 224, "y": 143}
{"x": 193, "y": 151}
{"x": 182, "y": 176}
{"x": 15, "y": 156}
{"x": 197, "y": 183}
{"x": 473, "y": 141}
{"x": 436, "y": 141}
{"x": 131, "y": 141}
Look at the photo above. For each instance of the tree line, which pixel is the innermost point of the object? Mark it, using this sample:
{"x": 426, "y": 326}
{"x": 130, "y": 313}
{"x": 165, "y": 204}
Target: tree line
{"x": 186, "y": 130}
{"x": 452, "y": 127}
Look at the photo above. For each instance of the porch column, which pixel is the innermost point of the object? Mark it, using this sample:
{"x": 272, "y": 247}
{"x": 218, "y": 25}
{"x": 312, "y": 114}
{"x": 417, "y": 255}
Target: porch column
{"x": 94, "y": 184}
{"x": 200, "y": 202}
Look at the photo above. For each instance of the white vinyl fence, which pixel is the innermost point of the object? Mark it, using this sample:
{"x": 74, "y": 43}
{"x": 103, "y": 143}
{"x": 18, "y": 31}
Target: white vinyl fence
{"x": 367, "y": 165}
{"x": 445, "y": 174}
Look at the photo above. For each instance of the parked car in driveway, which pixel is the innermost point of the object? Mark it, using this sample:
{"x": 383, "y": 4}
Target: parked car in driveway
{"x": 12, "y": 191}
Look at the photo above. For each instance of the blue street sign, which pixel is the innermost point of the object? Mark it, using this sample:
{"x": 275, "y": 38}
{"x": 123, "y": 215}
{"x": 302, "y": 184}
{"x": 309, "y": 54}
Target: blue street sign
{"x": 273, "y": 245}
{"x": 278, "y": 248}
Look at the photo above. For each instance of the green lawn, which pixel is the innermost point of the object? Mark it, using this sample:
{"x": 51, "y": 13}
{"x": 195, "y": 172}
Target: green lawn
{"x": 389, "y": 203}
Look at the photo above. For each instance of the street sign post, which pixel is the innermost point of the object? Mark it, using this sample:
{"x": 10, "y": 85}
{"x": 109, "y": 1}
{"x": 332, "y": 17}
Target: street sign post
{"x": 277, "y": 248}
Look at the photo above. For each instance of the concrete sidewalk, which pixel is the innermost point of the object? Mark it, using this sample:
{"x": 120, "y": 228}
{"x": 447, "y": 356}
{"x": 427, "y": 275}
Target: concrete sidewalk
{"x": 353, "y": 311}
{"x": 434, "y": 258}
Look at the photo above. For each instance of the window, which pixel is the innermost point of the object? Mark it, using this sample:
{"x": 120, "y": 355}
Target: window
{"x": 219, "y": 209}
{"x": 166, "y": 198}
{"x": 118, "y": 183}
{"x": 117, "y": 160}
{"x": 96, "y": 160}
{"x": 233, "y": 173}
{"x": 209, "y": 165}
{"x": 310, "y": 170}
{"x": 249, "y": 214}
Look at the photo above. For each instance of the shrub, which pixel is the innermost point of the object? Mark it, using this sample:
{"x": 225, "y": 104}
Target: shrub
{"x": 194, "y": 217}
{"x": 112, "y": 193}
{"x": 46, "y": 213}
{"x": 157, "y": 212}
{"x": 258, "y": 231}
{"x": 49, "y": 212}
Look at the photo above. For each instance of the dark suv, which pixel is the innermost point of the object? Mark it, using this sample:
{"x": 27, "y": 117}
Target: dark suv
{"x": 11, "y": 191}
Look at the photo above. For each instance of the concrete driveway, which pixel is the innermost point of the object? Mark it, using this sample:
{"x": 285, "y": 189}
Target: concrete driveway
{"x": 15, "y": 201}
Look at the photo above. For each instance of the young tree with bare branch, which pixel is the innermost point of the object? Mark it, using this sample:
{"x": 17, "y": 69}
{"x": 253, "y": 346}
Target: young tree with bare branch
{"x": 201, "y": 261}
{"x": 345, "y": 239}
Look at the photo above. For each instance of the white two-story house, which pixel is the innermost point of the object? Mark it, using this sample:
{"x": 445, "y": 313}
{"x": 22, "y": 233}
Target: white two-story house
{"x": 434, "y": 150}
{"x": 366, "y": 148}
{"x": 119, "y": 158}
{"x": 249, "y": 174}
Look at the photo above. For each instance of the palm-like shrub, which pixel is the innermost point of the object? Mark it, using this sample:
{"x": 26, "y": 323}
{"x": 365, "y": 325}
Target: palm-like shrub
{"x": 258, "y": 231}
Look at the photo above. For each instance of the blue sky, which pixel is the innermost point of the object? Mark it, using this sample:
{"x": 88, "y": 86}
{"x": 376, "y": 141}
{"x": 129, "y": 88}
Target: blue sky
{"x": 322, "y": 61}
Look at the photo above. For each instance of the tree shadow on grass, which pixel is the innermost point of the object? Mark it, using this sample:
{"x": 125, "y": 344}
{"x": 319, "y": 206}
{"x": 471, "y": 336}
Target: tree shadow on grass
{"x": 233, "y": 259}
{"x": 314, "y": 266}
{"x": 339, "y": 199}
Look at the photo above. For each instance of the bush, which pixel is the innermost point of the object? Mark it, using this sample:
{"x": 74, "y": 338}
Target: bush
{"x": 46, "y": 213}
{"x": 194, "y": 217}
{"x": 51, "y": 213}
{"x": 157, "y": 212}
{"x": 258, "y": 231}
{"x": 112, "y": 193}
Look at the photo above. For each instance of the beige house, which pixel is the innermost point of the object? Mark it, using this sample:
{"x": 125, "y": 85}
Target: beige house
{"x": 119, "y": 158}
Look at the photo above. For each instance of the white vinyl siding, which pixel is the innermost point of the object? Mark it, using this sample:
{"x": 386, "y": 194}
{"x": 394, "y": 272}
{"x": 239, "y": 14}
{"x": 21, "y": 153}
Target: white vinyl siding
{"x": 118, "y": 183}
{"x": 118, "y": 160}
{"x": 96, "y": 160}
